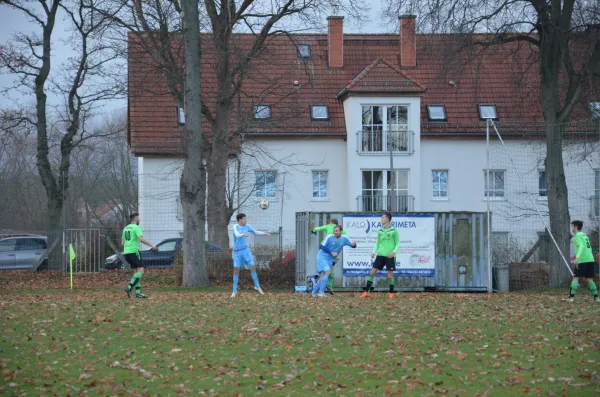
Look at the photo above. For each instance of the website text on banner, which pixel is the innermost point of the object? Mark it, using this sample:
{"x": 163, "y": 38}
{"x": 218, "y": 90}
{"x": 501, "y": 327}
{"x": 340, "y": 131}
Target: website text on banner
{"x": 416, "y": 256}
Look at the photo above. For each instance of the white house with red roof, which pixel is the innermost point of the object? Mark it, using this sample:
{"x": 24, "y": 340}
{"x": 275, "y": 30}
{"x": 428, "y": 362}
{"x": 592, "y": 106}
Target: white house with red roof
{"x": 326, "y": 109}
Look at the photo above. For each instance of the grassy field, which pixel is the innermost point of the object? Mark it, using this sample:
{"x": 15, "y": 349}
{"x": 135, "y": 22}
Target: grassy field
{"x": 98, "y": 342}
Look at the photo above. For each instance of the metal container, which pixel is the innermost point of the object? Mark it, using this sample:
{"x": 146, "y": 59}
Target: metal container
{"x": 461, "y": 262}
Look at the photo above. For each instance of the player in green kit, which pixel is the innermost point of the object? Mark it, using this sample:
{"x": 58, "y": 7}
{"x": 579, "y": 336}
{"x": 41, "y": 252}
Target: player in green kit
{"x": 384, "y": 253}
{"x": 583, "y": 261}
{"x": 131, "y": 238}
{"x": 329, "y": 228}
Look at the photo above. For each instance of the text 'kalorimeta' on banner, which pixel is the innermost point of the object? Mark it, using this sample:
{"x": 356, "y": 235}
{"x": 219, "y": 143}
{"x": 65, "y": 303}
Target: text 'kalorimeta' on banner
{"x": 416, "y": 256}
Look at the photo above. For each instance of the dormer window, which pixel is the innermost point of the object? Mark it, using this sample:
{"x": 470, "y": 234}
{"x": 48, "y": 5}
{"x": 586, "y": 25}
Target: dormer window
{"x": 436, "y": 113}
{"x": 319, "y": 112}
{"x": 487, "y": 111}
{"x": 180, "y": 116}
{"x": 304, "y": 51}
{"x": 262, "y": 112}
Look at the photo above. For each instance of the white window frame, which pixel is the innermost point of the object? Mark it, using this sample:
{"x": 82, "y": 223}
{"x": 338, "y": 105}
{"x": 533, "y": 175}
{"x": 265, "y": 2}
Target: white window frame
{"x": 440, "y": 197}
{"x": 482, "y": 105}
{"x": 260, "y": 106}
{"x": 256, "y": 191}
{"x": 320, "y": 198}
{"x": 430, "y": 118}
{"x": 180, "y": 115}
{"x": 486, "y": 180}
{"x": 386, "y": 180}
{"x": 378, "y": 132}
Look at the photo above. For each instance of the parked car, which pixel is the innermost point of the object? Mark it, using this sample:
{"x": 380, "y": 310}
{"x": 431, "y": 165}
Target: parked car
{"x": 22, "y": 252}
{"x": 287, "y": 258}
{"x": 162, "y": 258}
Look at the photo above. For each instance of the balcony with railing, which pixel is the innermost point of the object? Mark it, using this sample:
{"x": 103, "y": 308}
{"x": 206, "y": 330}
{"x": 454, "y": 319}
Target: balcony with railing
{"x": 376, "y": 203}
{"x": 381, "y": 142}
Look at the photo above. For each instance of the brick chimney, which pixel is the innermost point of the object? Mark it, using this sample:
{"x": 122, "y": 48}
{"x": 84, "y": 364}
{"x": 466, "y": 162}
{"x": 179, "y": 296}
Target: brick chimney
{"x": 335, "y": 42}
{"x": 408, "y": 41}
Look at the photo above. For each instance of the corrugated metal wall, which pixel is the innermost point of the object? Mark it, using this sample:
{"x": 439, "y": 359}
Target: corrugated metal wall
{"x": 461, "y": 254}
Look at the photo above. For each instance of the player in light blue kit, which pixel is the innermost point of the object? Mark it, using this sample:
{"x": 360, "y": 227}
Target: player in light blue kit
{"x": 330, "y": 249}
{"x": 241, "y": 253}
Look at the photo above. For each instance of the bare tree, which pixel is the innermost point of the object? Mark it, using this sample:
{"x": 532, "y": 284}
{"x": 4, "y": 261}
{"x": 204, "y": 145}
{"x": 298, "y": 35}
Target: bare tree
{"x": 81, "y": 84}
{"x": 565, "y": 36}
{"x": 193, "y": 179}
{"x": 104, "y": 180}
{"x": 155, "y": 27}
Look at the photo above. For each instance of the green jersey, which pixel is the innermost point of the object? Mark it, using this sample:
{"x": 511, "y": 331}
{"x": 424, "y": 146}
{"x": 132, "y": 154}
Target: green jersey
{"x": 583, "y": 249}
{"x": 131, "y": 237}
{"x": 388, "y": 240}
{"x": 328, "y": 229}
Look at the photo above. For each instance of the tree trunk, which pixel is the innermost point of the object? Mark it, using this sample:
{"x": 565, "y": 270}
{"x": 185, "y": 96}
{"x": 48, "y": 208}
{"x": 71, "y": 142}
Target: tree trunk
{"x": 558, "y": 205}
{"x": 192, "y": 187}
{"x": 218, "y": 221}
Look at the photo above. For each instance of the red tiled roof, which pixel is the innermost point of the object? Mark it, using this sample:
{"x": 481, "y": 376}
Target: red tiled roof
{"x": 505, "y": 75}
{"x": 382, "y": 77}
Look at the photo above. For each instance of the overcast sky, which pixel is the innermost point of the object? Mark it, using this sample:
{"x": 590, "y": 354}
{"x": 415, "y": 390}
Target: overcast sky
{"x": 12, "y": 22}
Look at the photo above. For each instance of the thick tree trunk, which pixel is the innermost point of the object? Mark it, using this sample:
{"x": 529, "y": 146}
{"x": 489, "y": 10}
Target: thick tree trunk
{"x": 558, "y": 205}
{"x": 218, "y": 219}
{"x": 192, "y": 187}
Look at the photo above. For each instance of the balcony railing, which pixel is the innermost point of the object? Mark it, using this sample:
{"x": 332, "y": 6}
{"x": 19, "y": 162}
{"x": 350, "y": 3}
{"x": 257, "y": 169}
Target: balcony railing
{"x": 376, "y": 203}
{"x": 381, "y": 142}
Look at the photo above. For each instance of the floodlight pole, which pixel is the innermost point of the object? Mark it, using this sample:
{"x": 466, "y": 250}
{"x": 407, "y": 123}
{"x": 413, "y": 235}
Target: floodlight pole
{"x": 393, "y": 207}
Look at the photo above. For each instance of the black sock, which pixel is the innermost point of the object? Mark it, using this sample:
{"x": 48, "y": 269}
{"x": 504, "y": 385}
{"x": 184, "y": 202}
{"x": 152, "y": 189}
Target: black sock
{"x": 391, "y": 288}
{"x": 368, "y": 288}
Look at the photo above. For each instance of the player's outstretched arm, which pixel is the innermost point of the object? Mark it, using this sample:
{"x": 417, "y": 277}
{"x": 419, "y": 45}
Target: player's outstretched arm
{"x": 257, "y": 232}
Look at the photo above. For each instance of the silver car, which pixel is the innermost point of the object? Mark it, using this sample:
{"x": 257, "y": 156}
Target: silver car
{"x": 21, "y": 253}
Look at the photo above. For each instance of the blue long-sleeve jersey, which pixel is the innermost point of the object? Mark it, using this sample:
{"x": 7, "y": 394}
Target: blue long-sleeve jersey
{"x": 332, "y": 244}
{"x": 240, "y": 242}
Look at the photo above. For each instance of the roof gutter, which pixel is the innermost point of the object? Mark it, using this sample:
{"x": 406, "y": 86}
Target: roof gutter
{"x": 292, "y": 134}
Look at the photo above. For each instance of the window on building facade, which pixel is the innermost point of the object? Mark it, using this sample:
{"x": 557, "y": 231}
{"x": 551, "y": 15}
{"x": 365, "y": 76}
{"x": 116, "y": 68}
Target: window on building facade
{"x": 319, "y": 112}
{"x": 436, "y": 112}
{"x": 494, "y": 183}
{"x": 304, "y": 51}
{"x": 262, "y": 112}
{"x": 265, "y": 184}
{"x": 487, "y": 111}
{"x": 319, "y": 184}
{"x": 542, "y": 187}
{"x": 439, "y": 180}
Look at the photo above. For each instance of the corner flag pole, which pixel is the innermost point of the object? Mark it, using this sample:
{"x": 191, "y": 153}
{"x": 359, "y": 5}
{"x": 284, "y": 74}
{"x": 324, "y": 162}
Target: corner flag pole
{"x": 72, "y": 257}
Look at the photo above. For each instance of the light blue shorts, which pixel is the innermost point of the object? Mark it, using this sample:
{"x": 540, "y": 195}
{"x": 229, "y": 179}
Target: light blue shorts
{"x": 324, "y": 263}
{"x": 243, "y": 258}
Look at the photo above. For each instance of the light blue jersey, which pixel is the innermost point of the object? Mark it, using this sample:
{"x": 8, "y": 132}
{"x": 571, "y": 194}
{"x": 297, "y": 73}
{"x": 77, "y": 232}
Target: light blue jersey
{"x": 330, "y": 244}
{"x": 241, "y": 253}
{"x": 240, "y": 242}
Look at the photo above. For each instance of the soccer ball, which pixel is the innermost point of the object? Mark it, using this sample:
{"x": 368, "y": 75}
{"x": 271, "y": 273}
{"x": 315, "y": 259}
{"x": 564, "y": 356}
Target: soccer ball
{"x": 264, "y": 204}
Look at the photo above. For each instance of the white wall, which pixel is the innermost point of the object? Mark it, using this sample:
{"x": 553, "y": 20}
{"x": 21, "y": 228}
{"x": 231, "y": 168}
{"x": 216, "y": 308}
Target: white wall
{"x": 465, "y": 161}
{"x": 358, "y": 162}
{"x": 294, "y": 160}
{"x": 160, "y": 215}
